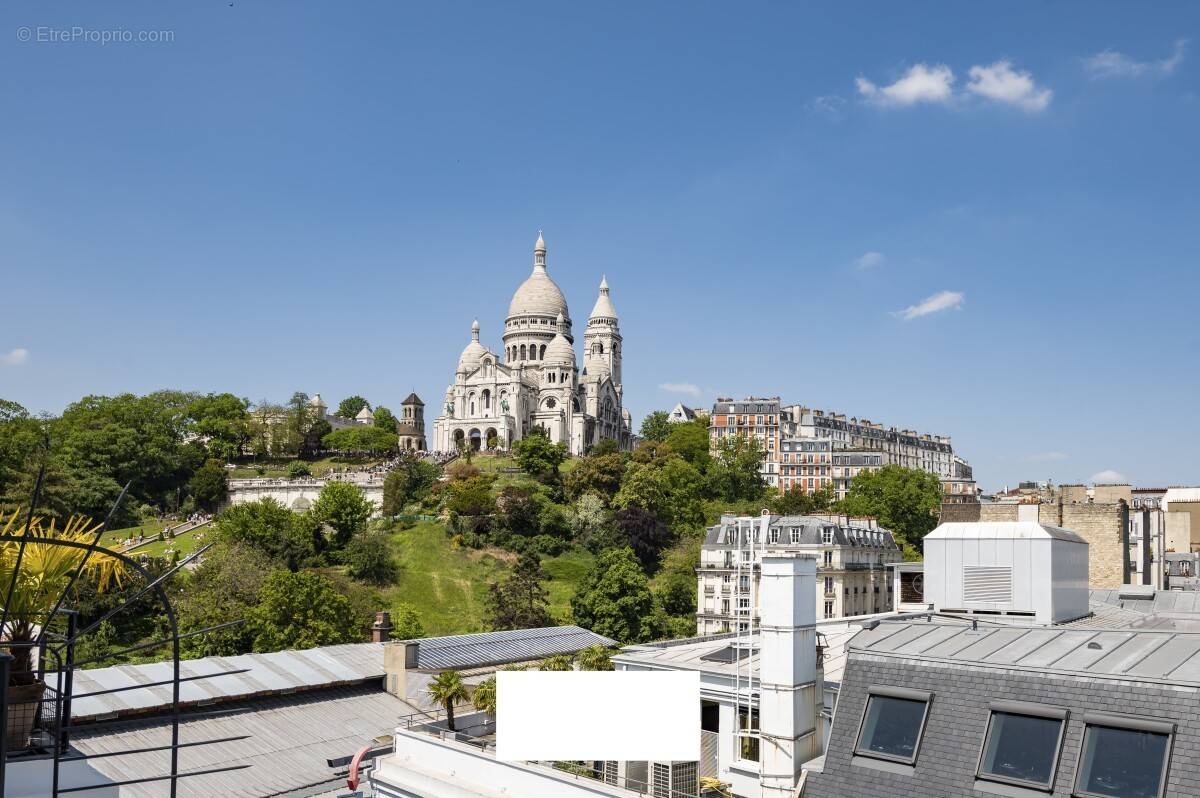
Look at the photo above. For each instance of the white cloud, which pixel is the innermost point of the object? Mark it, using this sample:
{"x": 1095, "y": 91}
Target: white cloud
{"x": 1003, "y": 84}
{"x": 1113, "y": 64}
{"x": 1108, "y": 477}
{"x": 16, "y": 357}
{"x": 869, "y": 260}
{"x": 1044, "y": 457}
{"x": 681, "y": 387}
{"x": 921, "y": 84}
{"x": 942, "y": 300}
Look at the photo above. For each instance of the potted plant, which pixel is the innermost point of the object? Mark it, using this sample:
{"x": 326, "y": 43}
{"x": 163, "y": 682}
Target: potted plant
{"x": 45, "y": 574}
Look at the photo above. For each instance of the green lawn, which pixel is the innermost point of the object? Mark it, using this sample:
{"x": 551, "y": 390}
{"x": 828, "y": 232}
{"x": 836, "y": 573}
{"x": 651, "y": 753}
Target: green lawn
{"x": 113, "y": 538}
{"x": 448, "y": 588}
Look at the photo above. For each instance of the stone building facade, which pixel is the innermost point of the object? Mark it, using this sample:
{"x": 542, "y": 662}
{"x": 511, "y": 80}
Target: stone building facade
{"x": 852, "y": 555}
{"x": 497, "y": 399}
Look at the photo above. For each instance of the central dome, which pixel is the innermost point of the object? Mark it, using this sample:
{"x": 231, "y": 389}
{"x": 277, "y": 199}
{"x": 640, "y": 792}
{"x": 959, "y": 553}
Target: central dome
{"x": 539, "y": 295}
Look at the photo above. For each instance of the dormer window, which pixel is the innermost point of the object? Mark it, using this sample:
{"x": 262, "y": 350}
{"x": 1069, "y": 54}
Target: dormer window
{"x": 827, "y": 535}
{"x": 1123, "y": 756}
{"x": 795, "y": 534}
{"x": 893, "y": 724}
{"x": 773, "y": 535}
{"x": 1022, "y": 744}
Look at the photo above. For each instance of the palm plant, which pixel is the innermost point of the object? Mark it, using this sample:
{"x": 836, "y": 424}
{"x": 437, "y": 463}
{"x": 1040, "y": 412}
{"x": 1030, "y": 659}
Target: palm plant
{"x": 594, "y": 658}
{"x": 46, "y": 572}
{"x": 484, "y": 697}
{"x": 558, "y": 662}
{"x": 445, "y": 689}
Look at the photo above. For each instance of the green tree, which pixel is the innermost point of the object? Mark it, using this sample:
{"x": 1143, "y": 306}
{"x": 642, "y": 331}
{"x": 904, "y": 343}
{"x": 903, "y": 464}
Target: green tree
{"x": 342, "y": 506}
{"x": 409, "y": 481}
{"x": 591, "y": 523}
{"x": 298, "y": 469}
{"x": 689, "y": 439}
{"x": 268, "y": 527}
{"x": 447, "y": 689}
{"x": 406, "y": 625}
{"x": 517, "y": 510}
{"x": 538, "y": 457}
{"x": 361, "y": 438}
{"x": 656, "y": 426}
{"x": 209, "y": 485}
{"x": 676, "y": 580}
{"x": 222, "y": 420}
{"x": 369, "y": 558}
{"x": 222, "y": 589}
{"x": 615, "y": 600}
{"x": 556, "y": 662}
{"x": 600, "y": 474}
{"x": 351, "y": 406}
{"x": 594, "y": 658}
{"x": 798, "y": 501}
{"x": 300, "y": 610}
{"x": 20, "y": 437}
{"x": 484, "y": 696}
{"x": 520, "y": 601}
{"x": 385, "y": 419}
{"x": 605, "y": 446}
{"x": 735, "y": 472}
{"x": 904, "y": 500}
{"x": 471, "y": 496}
{"x": 314, "y": 438}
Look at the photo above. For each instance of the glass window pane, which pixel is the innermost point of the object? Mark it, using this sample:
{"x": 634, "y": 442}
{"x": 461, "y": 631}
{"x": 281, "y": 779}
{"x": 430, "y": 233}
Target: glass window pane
{"x": 1021, "y": 747}
{"x": 892, "y": 726}
{"x": 1122, "y": 762}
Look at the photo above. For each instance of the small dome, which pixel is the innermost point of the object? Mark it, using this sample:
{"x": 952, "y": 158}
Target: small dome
{"x": 559, "y": 352}
{"x": 468, "y": 361}
{"x": 603, "y": 308}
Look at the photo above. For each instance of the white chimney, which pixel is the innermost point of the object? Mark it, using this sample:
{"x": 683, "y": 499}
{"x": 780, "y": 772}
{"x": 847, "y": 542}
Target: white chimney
{"x": 789, "y": 696}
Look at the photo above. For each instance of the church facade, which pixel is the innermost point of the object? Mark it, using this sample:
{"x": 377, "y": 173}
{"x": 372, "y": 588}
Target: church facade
{"x": 497, "y": 398}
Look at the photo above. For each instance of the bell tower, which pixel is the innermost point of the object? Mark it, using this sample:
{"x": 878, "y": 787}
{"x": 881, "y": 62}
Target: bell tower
{"x": 602, "y": 341}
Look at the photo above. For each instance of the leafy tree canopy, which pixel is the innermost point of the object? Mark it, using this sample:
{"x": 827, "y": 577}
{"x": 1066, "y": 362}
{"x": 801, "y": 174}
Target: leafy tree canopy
{"x": 209, "y": 485}
{"x": 406, "y": 625}
{"x": 689, "y": 439}
{"x": 369, "y": 558}
{"x": 538, "y": 457}
{"x": 599, "y": 474}
{"x": 222, "y": 589}
{"x": 645, "y": 534}
{"x": 520, "y": 601}
{"x": 385, "y": 419}
{"x": 656, "y": 426}
{"x": 408, "y": 482}
{"x": 270, "y": 528}
{"x": 361, "y": 438}
{"x": 734, "y": 474}
{"x": 300, "y": 610}
{"x": 614, "y": 599}
{"x": 223, "y": 420}
{"x": 351, "y": 406}
{"x": 342, "y": 506}
{"x": 904, "y": 500}
{"x": 798, "y": 501}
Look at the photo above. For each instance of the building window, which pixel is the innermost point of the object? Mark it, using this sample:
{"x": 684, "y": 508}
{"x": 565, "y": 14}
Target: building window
{"x": 1123, "y": 757}
{"x": 828, "y": 584}
{"x": 827, "y": 535}
{"x": 829, "y": 558}
{"x": 1022, "y": 744}
{"x": 747, "y": 746}
{"x": 795, "y": 534}
{"x": 828, "y": 609}
{"x": 773, "y": 535}
{"x": 893, "y": 724}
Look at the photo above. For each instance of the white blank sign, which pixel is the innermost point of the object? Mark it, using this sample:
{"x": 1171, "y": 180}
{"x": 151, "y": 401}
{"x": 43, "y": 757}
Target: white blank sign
{"x": 623, "y": 715}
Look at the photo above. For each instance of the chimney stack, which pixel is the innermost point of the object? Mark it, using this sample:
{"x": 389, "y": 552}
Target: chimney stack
{"x": 790, "y": 690}
{"x": 381, "y": 630}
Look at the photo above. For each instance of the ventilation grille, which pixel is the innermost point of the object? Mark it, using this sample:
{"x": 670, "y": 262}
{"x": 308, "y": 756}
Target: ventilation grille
{"x": 987, "y": 583}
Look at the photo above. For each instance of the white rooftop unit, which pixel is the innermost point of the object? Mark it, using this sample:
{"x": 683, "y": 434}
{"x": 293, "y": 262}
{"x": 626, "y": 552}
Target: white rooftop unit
{"x": 1010, "y": 567}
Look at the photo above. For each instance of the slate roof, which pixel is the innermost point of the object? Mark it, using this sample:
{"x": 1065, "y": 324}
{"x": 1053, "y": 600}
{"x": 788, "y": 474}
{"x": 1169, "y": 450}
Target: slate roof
{"x": 499, "y": 648}
{"x": 811, "y": 527}
{"x": 1146, "y": 674}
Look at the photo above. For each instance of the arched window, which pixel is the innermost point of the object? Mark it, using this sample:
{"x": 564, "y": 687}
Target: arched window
{"x": 522, "y": 351}
{"x": 487, "y": 400}
{"x": 542, "y": 356}
{"x": 598, "y": 348}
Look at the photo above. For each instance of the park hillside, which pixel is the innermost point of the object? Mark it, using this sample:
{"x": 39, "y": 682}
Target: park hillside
{"x": 487, "y": 541}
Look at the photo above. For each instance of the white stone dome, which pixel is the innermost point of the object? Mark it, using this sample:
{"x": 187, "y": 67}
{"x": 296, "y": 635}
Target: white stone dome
{"x": 559, "y": 351}
{"x": 538, "y": 295}
{"x": 468, "y": 361}
{"x": 603, "y": 308}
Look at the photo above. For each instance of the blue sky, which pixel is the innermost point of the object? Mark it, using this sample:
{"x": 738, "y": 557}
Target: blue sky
{"x": 972, "y": 220}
